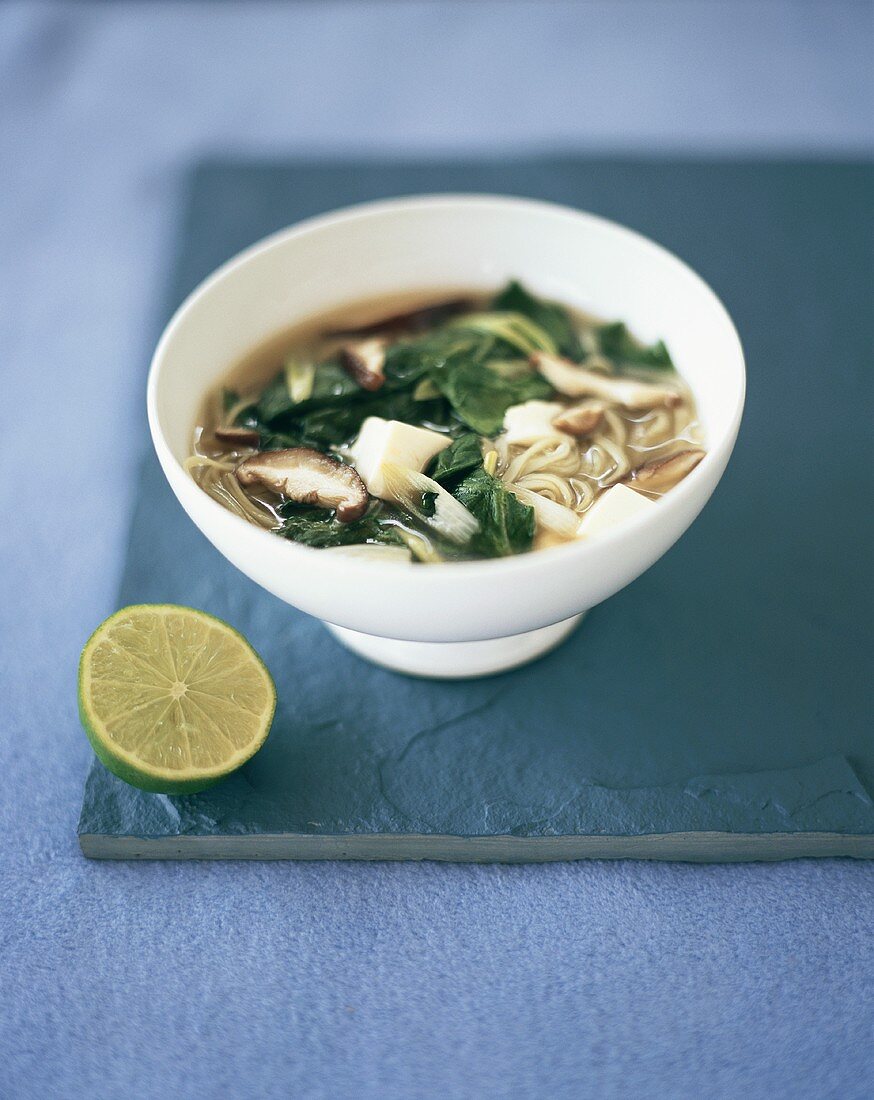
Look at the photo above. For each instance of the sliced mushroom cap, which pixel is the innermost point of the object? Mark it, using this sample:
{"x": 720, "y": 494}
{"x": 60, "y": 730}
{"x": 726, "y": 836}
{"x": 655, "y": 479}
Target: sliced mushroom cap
{"x": 238, "y": 437}
{"x": 663, "y": 473}
{"x": 307, "y": 477}
{"x": 579, "y": 420}
{"x": 365, "y": 362}
{"x": 576, "y": 381}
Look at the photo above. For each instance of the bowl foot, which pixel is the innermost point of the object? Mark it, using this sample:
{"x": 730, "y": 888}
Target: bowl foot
{"x": 455, "y": 660}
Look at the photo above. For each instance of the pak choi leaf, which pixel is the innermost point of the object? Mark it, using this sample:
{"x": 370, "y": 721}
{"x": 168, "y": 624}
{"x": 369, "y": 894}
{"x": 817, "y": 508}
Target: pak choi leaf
{"x": 617, "y": 343}
{"x": 554, "y": 319}
{"x": 506, "y": 525}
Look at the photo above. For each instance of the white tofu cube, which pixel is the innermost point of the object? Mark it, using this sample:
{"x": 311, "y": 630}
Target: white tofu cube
{"x": 612, "y": 507}
{"x": 532, "y": 420}
{"x": 381, "y": 441}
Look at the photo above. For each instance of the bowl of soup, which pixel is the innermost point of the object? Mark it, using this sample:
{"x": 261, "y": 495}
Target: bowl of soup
{"x": 447, "y": 426}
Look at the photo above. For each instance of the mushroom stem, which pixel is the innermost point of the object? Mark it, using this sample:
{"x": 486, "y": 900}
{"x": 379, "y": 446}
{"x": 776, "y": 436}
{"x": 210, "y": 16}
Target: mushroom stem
{"x": 662, "y": 473}
{"x": 365, "y": 362}
{"x": 307, "y": 477}
{"x": 239, "y": 437}
{"x": 579, "y": 420}
{"x": 575, "y": 381}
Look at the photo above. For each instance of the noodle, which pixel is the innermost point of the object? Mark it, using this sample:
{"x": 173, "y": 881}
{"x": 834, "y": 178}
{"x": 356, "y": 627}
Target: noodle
{"x": 196, "y": 462}
{"x": 216, "y": 477}
{"x": 573, "y": 473}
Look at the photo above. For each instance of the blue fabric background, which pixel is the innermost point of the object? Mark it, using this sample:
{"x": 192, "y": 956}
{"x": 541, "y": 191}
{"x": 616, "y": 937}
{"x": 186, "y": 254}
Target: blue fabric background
{"x": 332, "y": 980}
{"x": 377, "y": 980}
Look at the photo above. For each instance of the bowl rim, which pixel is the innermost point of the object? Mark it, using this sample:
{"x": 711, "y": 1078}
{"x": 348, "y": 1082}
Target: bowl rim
{"x": 717, "y": 452}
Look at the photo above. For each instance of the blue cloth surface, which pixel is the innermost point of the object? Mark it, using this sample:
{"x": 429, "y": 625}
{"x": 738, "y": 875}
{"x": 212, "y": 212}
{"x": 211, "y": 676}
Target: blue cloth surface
{"x": 336, "y": 980}
{"x": 376, "y": 980}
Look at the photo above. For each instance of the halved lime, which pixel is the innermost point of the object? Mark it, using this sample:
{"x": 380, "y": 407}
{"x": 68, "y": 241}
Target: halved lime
{"x": 173, "y": 699}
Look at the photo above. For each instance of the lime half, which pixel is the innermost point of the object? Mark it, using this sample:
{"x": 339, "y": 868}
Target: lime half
{"x": 172, "y": 699}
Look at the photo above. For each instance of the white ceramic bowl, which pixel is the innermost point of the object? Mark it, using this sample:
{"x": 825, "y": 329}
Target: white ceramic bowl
{"x": 495, "y": 614}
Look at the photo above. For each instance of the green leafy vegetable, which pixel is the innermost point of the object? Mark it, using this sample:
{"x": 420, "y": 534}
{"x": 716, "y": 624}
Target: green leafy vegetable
{"x": 480, "y": 397}
{"x": 515, "y": 329}
{"x": 277, "y": 441}
{"x": 552, "y": 318}
{"x": 332, "y": 426}
{"x": 617, "y": 343}
{"x": 458, "y": 459}
{"x": 411, "y": 360}
{"x": 316, "y": 527}
{"x": 331, "y": 386}
{"x": 506, "y": 524}
{"x": 329, "y": 418}
{"x": 456, "y": 361}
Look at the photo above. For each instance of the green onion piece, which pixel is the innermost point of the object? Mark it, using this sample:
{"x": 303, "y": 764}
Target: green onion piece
{"x": 299, "y": 379}
{"x": 420, "y": 547}
{"x": 446, "y": 515}
{"x": 425, "y": 390}
{"x": 551, "y": 515}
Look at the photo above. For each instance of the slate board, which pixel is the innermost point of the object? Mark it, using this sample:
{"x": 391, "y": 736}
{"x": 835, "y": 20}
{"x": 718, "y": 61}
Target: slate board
{"x": 719, "y": 708}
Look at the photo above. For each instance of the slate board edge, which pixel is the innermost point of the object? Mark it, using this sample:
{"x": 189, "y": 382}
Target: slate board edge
{"x": 685, "y": 847}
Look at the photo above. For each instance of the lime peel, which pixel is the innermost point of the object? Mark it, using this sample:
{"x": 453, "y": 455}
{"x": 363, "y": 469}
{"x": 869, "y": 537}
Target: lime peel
{"x": 173, "y": 699}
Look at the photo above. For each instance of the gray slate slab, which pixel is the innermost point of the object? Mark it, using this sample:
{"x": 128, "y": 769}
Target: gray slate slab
{"x": 717, "y": 708}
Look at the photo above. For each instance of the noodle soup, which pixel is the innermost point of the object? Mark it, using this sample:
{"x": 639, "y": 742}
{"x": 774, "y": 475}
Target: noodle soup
{"x": 447, "y": 427}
